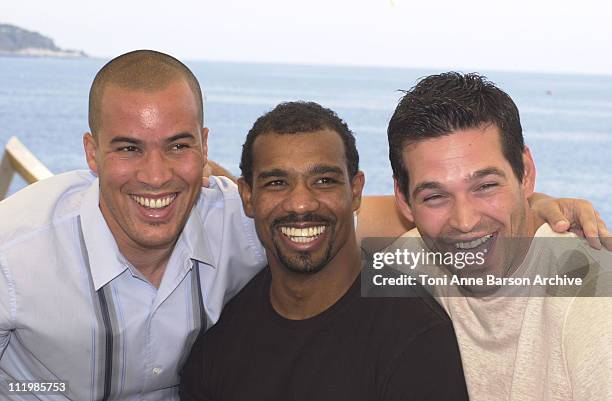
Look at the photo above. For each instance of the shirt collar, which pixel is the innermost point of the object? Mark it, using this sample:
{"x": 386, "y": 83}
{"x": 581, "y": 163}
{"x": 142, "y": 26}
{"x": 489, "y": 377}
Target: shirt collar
{"x": 196, "y": 242}
{"x": 106, "y": 261}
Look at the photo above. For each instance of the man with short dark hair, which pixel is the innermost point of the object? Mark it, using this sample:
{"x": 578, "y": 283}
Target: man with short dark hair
{"x": 300, "y": 329}
{"x": 463, "y": 175}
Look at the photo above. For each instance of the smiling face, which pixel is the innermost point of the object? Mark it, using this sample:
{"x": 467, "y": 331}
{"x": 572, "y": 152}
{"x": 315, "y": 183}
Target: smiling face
{"x": 464, "y": 197}
{"x": 302, "y": 199}
{"x": 148, "y": 154}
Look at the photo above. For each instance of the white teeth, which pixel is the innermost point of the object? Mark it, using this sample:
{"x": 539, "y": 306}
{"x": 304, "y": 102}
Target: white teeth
{"x": 473, "y": 244}
{"x": 154, "y": 203}
{"x": 302, "y": 235}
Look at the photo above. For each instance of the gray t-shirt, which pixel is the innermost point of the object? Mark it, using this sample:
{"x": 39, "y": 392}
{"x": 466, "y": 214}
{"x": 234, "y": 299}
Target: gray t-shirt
{"x": 536, "y": 348}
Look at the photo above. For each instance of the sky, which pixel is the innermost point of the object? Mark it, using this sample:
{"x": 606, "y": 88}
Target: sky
{"x": 519, "y": 35}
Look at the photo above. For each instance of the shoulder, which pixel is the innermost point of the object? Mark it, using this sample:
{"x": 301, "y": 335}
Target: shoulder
{"x": 587, "y": 346}
{"x": 239, "y": 315}
{"x": 221, "y": 189}
{"x": 586, "y": 315}
{"x": 43, "y": 204}
{"x": 566, "y": 254}
{"x": 247, "y": 301}
{"x": 423, "y": 312}
{"x": 417, "y": 349}
{"x": 407, "y": 316}
{"x": 219, "y": 210}
{"x": 221, "y": 196}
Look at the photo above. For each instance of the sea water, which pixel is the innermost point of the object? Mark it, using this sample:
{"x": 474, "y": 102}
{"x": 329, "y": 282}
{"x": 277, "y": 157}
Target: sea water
{"x": 567, "y": 119}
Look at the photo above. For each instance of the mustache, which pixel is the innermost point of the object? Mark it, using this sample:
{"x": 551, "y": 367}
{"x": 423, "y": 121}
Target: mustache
{"x": 302, "y": 218}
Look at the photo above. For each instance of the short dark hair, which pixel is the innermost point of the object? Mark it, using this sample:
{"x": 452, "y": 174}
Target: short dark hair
{"x": 441, "y": 104}
{"x": 299, "y": 117}
{"x": 143, "y": 70}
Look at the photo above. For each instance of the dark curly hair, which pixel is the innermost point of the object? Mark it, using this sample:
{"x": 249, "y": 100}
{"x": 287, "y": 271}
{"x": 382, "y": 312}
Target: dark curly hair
{"x": 299, "y": 117}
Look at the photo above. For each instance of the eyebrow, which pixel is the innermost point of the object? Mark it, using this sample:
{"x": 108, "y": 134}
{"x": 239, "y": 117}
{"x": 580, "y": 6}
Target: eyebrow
{"x": 181, "y": 135}
{"x": 315, "y": 170}
{"x": 484, "y": 172}
{"x": 425, "y": 185}
{"x": 272, "y": 173}
{"x": 127, "y": 139}
{"x": 325, "y": 169}
{"x": 474, "y": 176}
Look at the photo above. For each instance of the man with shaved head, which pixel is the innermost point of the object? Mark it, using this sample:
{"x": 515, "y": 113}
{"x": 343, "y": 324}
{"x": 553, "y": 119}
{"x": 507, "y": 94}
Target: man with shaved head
{"x": 108, "y": 275}
{"x": 143, "y": 70}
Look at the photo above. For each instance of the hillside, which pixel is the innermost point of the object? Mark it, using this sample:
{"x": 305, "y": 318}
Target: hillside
{"x": 21, "y": 42}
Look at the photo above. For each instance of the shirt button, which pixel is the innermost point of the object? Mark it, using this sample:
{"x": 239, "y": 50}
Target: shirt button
{"x": 156, "y": 371}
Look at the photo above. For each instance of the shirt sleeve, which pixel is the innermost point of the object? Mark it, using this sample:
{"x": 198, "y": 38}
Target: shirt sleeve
{"x": 429, "y": 369}
{"x": 587, "y": 345}
{"x": 7, "y": 305}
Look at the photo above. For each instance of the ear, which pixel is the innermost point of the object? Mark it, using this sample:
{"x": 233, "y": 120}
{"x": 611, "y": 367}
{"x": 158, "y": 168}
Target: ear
{"x": 357, "y": 183}
{"x": 91, "y": 147}
{"x": 245, "y": 194}
{"x": 529, "y": 174}
{"x": 204, "y": 138}
{"x": 401, "y": 202}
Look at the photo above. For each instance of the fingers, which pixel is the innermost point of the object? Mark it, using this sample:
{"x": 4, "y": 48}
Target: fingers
{"x": 589, "y": 223}
{"x": 206, "y": 172}
{"x": 561, "y": 225}
{"x": 580, "y": 217}
{"x": 554, "y": 216}
{"x": 605, "y": 236}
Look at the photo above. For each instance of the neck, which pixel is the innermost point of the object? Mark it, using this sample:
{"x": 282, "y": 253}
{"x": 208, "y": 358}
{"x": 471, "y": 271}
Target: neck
{"x": 299, "y": 296}
{"x": 150, "y": 262}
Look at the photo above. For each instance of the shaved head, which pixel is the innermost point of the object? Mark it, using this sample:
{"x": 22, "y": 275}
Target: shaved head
{"x": 140, "y": 70}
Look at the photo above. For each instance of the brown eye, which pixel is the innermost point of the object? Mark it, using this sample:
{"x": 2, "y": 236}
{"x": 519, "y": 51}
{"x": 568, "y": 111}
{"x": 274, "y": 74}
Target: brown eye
{"x": 432, "y": 197}
{"x": 274, "y": 183}
{"x": 179, "y": 146}
{"x": 487, "y": 186}
{"x": 129, "y": 148}
{"x": 325, "y": 180}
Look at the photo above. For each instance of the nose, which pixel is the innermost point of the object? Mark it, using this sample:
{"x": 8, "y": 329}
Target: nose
{"x": 300, "y": 200}
{"x": 155, "y": 170}
{"x": 464, "y": 215}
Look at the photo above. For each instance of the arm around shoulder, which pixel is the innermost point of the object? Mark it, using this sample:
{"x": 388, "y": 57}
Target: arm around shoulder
{"x": 378, "y": 217}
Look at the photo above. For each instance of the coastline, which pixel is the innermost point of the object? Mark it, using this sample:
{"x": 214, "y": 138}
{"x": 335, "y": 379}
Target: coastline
{"x": 38, "y": 52}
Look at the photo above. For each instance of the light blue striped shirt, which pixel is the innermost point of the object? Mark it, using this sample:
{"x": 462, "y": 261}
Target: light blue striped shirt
{"x": 72, "y": 308}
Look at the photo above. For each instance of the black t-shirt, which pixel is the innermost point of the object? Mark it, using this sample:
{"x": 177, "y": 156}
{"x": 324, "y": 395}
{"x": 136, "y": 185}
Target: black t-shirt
{"x": 358, "y": 349}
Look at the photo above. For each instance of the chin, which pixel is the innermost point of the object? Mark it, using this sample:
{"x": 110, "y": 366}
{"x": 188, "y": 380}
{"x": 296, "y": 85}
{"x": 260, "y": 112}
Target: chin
{"x": 156, "y": 241}
{"x": 301, "y": 264}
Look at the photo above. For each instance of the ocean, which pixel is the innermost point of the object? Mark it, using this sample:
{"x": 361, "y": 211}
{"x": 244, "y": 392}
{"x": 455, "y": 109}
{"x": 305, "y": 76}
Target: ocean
{"x": 567, "y": 119}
